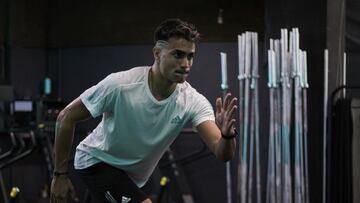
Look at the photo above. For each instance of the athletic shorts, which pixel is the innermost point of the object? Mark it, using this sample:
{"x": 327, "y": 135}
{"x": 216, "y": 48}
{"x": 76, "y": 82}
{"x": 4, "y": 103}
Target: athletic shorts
{"x": 108, "y": 184}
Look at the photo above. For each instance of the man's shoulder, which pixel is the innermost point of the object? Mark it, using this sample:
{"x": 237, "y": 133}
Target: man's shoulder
{"x": 138, "y": 70}
{"x": 188, "y": 91}
{"x": 192, "y": 99}
{"x": 130, "y": 76}
{"x": 186, "y": 88}
{"x": 134, "y": 71}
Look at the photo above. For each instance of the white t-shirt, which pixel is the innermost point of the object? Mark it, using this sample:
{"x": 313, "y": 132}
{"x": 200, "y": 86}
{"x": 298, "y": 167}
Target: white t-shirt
{"x": 136, "y": 129}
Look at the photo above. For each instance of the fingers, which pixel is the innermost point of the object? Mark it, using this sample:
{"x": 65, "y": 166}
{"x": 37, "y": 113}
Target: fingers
{"x": 231, "y": 113}
{"x": 62, "y": 198}
{"x": 218, "y": 105}
{"x": 226, "y": 110}
{"x": 57, "y": 199}
{"x": 232, "y": 123}
{"x": 229, "y": 106}
{"x": 230, "y": 109}
{"x": 73, "y": 194}
{"x": 232, "y": 103}
{"x": 227, "y": 100}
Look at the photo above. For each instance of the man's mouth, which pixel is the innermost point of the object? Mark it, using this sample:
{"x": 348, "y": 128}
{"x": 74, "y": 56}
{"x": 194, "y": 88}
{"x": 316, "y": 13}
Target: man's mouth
{"x": 182, "y": 72}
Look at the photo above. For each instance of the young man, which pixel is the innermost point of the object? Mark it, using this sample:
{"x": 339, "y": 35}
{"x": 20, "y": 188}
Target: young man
{"x": 143, "y": 110}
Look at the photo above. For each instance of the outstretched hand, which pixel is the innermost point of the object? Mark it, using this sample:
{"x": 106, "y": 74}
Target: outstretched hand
{"x": 61, "y": 189}
{"x": 225, "y": 111}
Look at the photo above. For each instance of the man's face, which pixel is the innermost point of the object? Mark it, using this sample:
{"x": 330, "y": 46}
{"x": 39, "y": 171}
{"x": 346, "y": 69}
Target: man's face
{"x": 176, "y": 59}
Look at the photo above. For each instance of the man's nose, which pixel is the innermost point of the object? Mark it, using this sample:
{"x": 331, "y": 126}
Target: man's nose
{"x": 186, "y": 63}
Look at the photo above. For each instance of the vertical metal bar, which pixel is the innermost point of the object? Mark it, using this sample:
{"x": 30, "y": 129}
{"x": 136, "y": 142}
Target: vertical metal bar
{"x": 224, "y": 87}
{"x": 252, "y": 121}
{"x": 254, "y": 124}
{"x": 224, "y": 82}
{"x": 286, "y": 97}
{"x": 277, "y": 134}
{"x": 326, "y": 86}
{"x": 305, "y": 132}
{"x": 301, "y": 133}
{"x": 257, "y": 121}
{"x": 344, "y": 76}
{"x": 269, "y": 177}
{"x": 251, "y": 136}
{"x": 246, "y": 119}
{"x": 297, "y": 170}
{"x": 283, "y": 127}
{"x": 271, "y": 166}
{"x": 241, "y": 52}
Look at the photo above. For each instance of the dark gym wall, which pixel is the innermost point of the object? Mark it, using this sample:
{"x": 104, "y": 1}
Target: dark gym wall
{"x": 84, "y": 67}
{"x": 22, "y": 39}
{"x": 67, "y": 23}
{"x": 24, "y": 21}
{"x": 352, "y": 38}
{"x": 45, "y": 25}
{"x": 79, "y": 23}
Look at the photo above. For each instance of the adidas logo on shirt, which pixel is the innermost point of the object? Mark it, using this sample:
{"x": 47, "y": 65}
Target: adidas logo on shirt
{"x": 175, "y": 120}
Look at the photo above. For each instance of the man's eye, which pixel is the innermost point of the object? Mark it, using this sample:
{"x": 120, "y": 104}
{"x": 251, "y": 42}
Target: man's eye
{"x": 190, "y": 57}
{"x": 179, "y": 55}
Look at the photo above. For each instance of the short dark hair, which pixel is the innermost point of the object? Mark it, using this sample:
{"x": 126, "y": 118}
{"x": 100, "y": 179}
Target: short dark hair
{"x": 176, "y": 28}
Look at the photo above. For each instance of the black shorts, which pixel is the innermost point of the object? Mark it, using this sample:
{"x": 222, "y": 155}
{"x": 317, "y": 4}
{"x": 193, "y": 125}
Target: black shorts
{"x": 108, "y": 184}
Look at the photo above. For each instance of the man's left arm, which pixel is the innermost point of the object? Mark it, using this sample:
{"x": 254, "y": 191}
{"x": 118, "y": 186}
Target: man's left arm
{"x": 220, "y": 135}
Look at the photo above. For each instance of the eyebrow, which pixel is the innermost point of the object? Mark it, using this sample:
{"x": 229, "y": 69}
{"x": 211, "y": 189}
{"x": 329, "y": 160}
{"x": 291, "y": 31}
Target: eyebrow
{"x": 184, "y": 52}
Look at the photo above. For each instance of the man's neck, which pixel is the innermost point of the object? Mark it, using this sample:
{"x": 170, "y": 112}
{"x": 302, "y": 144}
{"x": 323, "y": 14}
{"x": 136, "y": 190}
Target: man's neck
{"x": 159, "y": 86}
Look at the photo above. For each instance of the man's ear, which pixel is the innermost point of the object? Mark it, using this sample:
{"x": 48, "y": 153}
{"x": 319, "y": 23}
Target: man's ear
{"x": 156, "y": 52}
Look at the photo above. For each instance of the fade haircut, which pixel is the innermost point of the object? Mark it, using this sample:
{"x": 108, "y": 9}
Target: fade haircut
{"x": 176, "y": 28}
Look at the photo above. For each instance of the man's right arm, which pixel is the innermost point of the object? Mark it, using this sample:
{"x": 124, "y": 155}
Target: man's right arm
{"x": 64, "y": 132}
{"x": 61, "y": 186}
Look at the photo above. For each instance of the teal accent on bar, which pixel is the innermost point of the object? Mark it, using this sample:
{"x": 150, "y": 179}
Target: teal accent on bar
{"x": 47, "y": 86}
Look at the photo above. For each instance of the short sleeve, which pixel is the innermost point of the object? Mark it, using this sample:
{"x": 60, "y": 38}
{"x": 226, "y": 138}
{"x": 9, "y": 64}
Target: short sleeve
{"x": 100, "y": 97}
{"x": 201, "y": 110}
